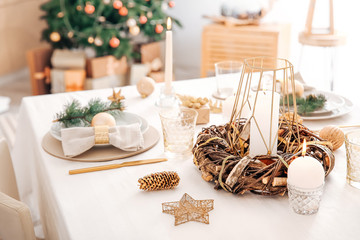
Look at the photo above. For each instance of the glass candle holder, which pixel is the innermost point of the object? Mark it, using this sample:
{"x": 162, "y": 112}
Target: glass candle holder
{"x": 178, "y": 127}
{"x": 305, "y": 201}
{"x": 352, "y": 144}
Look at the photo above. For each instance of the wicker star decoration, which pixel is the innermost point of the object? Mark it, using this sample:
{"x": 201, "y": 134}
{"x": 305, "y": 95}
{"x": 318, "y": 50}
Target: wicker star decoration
{"x": 189, "y": 209}
{"x": 116, "y": 96}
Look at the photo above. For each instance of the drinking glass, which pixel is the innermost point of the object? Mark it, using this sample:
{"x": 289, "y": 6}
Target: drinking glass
{"x": 227, "y": 76}
{"x": 352, "y": 144}
{"x": 178, "y": 126}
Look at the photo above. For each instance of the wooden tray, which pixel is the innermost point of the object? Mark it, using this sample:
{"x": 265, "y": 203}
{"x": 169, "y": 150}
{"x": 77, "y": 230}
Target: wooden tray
{"x": 99, "y": 153}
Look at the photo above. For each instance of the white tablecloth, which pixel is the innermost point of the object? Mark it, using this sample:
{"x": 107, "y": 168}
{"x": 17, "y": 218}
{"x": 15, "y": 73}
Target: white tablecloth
{"x": 108, "y": 204}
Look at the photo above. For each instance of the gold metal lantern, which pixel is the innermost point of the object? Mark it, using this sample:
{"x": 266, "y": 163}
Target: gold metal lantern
{"x": 266, "y": 99}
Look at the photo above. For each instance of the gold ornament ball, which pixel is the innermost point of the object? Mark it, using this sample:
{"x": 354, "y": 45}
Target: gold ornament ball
{"x": 98, "y": 41}
{"x": 334, "y": 135}
{"x": 101, "y": 19}
{"x": 103, "y": 119}
{"x": 145, "y": 86}
{"x": 91, "y": 40}
{"x": 70, "y": 34}
{"x": 55, "y": 36}
{"x": 134, "y": 30}
{"x": 131, "y": 22}
{"x": 156, "y": 65}
{"x": 131, "y": 4}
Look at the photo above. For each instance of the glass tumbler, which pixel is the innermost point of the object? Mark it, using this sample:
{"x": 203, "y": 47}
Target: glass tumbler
{"x": 305, "y": 201}
{"x": 227, "y": 74}
{"x": 178, "y": 126}
{"x": 352, "y": 145}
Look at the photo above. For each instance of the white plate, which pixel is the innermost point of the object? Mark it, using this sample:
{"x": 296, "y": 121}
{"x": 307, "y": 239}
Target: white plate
{"x": 124, "y": 118}
{"x": 345, "y": 109}
{"x": 333, "y": 102}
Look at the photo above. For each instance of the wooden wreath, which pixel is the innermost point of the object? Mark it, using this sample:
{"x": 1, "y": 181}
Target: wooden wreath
{"x": 222, "y": 163}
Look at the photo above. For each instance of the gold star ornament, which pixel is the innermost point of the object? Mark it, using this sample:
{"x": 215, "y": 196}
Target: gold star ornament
{"x": 116, "y": 96}
{"x": 189, "y": 209}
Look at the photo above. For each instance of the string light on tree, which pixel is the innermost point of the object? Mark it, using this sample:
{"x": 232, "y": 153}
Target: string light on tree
{"x": 114, "y": 42}
{"x": 149, "y": 14}
{"x": 60, "y": 15}
{"x": 117, "y": 4}
{"x": 123, "y": 11}
{"x": 79, "y": 7}
{"x": 106, "y": 1}
{"x": 55, "y": 36}
{"x": 142, "y": 19}
{"x": 159, "y": 28}
{"x": 89, "y": 8}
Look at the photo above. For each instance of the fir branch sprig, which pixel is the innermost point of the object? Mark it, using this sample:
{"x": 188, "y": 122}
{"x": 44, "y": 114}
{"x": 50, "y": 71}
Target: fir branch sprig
{"x": 76, "y": 115}
{"x": 307, "y": 105}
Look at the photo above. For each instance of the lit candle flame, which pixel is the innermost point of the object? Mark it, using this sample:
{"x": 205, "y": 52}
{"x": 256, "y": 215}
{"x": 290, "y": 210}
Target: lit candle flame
{"x": 168, "y": 23}
{"x": 304, "y": 148}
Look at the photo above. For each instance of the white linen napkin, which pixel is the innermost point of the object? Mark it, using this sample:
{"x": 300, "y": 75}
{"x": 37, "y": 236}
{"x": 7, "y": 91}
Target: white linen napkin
{"x": 78, "y": 140}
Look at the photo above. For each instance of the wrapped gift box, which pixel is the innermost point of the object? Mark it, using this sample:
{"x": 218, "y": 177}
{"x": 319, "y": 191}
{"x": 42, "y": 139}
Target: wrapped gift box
{"x": 137, "y": 72}
{"x": 68, "y": 59}
{"x": 151, "y": 51}
{"x": 67, "y": 80}
{"x": 106, "y": 82}
{"x": 203, "y": 114}
{"x": 106, "y": 66}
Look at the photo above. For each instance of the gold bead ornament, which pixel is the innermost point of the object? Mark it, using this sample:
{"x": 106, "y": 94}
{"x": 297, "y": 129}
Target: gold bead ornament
{"x": 334, "y": 135}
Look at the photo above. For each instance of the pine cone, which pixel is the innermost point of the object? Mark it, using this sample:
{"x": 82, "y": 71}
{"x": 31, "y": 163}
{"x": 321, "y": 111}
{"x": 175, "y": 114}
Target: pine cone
{"x": 159, "y": 181}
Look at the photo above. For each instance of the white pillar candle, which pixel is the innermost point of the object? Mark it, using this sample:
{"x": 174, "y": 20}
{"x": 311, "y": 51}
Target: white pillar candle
{"x": 306, "y": 172}
{"x": 168, "y": 59}
{"x": 265, "y": 143}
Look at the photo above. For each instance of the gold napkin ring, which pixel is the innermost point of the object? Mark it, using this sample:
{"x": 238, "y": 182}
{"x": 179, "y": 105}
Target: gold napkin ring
{"x": 101, "y": 134}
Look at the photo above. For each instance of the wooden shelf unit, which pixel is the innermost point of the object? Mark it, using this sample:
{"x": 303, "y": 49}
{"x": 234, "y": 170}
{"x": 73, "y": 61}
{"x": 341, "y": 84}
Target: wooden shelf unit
{"x": 222, "y": 43}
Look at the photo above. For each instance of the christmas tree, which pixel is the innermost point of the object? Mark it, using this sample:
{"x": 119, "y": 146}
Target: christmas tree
{"x": 110, "y": 27}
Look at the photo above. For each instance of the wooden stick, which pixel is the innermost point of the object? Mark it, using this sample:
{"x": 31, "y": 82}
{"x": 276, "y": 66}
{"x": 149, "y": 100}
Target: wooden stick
{"x": 113, "y": 166}
{"x": 340, "y": 126}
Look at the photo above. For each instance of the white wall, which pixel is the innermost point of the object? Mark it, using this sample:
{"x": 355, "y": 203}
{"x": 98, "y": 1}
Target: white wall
{"x": 187, "y": 41}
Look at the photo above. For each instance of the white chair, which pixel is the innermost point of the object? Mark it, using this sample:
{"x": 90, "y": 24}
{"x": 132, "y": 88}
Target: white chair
{"x": 15, "y": 218}
{"x": 7, "y": 175}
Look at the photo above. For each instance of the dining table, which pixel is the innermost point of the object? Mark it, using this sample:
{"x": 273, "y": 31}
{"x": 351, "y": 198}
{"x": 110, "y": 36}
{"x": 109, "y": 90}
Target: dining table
{"x": 108, "y": 205}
